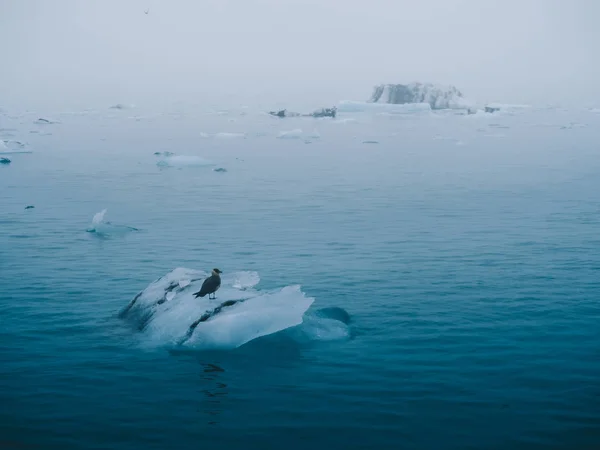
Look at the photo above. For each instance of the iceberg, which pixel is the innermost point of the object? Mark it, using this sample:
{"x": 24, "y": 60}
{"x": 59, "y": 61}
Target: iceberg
{"x": 437, "y": 96}
{"x": 166, "y": 312}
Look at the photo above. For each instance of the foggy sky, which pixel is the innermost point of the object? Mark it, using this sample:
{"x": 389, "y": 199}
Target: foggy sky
{"x": 108, "y": 51}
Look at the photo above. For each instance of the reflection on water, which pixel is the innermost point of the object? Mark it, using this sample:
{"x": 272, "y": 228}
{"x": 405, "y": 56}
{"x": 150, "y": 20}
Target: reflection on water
{"x": 215, "y": 392}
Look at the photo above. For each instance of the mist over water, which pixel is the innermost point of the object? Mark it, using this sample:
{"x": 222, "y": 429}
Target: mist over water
{"x": 445, "y": 263}
{"x": 395, "y": 276}
{"x": 69, "y": 54}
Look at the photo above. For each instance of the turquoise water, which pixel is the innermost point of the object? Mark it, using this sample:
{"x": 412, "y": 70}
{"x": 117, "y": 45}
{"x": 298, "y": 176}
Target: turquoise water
{"x": 454, "y": 267}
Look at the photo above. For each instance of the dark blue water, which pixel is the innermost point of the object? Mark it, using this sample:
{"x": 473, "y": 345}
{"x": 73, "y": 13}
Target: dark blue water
{"x": 466, "y": 255}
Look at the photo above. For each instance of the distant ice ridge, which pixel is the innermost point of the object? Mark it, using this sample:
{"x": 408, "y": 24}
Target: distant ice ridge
{"x": 102, "y": 227}
{"x": 166, "y": 312}
{"x": 436, "y": 96}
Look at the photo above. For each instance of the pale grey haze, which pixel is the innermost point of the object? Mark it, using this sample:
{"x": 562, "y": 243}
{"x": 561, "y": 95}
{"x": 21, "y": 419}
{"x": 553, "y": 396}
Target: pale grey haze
{"x": 101, "y": 52}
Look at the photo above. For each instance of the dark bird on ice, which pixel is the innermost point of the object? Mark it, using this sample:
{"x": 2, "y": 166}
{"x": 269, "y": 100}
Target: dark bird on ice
{"x": 210, "y": 285}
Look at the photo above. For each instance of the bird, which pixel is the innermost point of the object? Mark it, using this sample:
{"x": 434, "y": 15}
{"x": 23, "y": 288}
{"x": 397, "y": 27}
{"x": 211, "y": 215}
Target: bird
{"x": 210, "y": 285}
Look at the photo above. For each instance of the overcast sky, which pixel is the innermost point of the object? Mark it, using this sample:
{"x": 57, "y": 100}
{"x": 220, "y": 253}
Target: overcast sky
{"x": 109, "y": 51}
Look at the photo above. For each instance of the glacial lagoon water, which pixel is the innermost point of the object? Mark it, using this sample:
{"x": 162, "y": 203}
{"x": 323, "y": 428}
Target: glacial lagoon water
{"x": 415, "y": 280}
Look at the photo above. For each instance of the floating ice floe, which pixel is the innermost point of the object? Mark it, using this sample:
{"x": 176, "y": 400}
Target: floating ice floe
{"x": 166, "y": 313}
{"x": 226, "y": 135}
{"x": 314, "y": 134}
{"x": 181, "y": 161}
{"x": 572, "y": 125}
{"x": 345, "y": 121}
{"x": 13, "y": 147}
{"x": 42, "y": 121}
{"x": 122, "y": 106}
{"x": 104, "y": 228}
{"x": 291, "y": 134}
